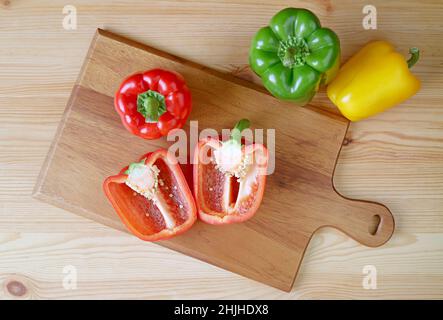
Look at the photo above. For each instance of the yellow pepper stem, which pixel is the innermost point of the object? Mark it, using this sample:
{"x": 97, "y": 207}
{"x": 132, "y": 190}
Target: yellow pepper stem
{"x": 415, "y": 54}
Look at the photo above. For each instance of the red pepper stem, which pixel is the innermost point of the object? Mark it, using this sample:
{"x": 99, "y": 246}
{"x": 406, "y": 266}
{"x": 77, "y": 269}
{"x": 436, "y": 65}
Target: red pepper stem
{"x": 239, "y": 127}
{"x": 151, "y": 105}
{"x": 133, "y": 165}
{"x": 415, "y": 55}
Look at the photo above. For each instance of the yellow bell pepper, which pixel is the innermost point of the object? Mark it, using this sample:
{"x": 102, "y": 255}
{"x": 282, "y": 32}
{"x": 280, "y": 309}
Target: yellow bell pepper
{"x": 373, "y": 80}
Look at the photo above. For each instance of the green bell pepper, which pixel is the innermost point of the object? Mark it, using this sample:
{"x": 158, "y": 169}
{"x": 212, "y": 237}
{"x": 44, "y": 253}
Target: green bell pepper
{"x": 294, "y": 55}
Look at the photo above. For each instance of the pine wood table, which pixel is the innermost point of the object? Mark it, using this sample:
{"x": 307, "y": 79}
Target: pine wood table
{"x": 395, "y": 158}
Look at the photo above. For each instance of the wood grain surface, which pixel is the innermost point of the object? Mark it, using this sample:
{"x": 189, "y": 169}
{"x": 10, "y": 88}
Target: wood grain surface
{"x": 395, "y": 158}
{"x": 91, "y": 144}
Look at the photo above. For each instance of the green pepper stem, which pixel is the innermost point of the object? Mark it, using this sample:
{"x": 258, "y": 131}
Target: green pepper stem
{"x": 415, "y": 55}
{"x": 151, "y": 105}
{"x": 293, "y": 51}
{"x": 239, "y": 127}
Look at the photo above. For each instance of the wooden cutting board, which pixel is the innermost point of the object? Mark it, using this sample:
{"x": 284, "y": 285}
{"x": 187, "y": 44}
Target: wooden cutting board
{"x": 300, "y": 198}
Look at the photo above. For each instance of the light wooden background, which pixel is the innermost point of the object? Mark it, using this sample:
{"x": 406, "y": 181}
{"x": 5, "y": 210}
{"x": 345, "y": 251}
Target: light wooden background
{"x": 395, "y": 158}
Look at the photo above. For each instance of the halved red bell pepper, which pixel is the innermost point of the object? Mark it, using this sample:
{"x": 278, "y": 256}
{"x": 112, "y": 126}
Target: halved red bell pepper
{"x": 152, "y": 197}
{"x": 152, "y": 103}
{"x": 229, "y": 178}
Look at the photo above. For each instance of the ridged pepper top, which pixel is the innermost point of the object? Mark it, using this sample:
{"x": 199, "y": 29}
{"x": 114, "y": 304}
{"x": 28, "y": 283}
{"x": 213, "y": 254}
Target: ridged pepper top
{"x": 294, "y": 55}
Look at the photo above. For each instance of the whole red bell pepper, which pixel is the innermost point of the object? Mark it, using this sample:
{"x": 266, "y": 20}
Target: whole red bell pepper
{"x": 229, "y": 178}
{"x": 152, "y": 197}
{"x": 152, "y": 103}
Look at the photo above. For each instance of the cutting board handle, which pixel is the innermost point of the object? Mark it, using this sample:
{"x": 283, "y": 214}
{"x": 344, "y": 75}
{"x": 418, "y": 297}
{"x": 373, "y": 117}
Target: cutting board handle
{"x": 369, "y": 223}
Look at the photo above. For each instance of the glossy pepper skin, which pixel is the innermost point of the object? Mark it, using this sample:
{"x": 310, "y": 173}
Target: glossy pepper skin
{"x": 374, "y": 79}
{"x": 146, "y": 218}
{"x": 294, "y": 55}
{"x": 152, "y": 103}
{"x": 225, "y": 199}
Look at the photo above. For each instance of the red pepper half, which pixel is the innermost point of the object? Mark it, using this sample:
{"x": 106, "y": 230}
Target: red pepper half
{"x": 152, "y": 103}
{"x": 152, "y": 197}
{"x": 229, "y": 178}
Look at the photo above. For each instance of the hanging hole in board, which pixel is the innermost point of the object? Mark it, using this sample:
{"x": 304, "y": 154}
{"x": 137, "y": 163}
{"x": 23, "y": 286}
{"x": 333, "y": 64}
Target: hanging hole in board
{"x": 375, "y": 224}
